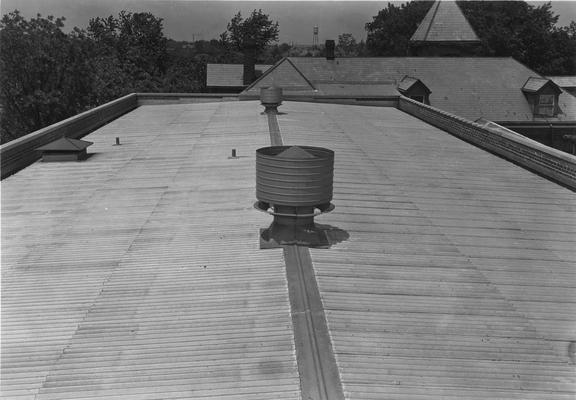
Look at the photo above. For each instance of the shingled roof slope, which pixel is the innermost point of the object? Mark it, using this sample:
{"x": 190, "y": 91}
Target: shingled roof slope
{"x": 567, "y": 81}
{"x": 228, "y": 75}
{"x": 444, "y": 22}
{"x": 470, "y": 87}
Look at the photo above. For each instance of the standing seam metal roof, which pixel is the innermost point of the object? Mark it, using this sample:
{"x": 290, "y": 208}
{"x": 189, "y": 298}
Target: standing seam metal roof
{"x": 137, "y": 274}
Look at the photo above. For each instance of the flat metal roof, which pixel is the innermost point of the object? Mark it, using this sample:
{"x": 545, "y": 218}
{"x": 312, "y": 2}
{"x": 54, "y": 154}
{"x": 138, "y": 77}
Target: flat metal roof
{"x": 136, "y": 274}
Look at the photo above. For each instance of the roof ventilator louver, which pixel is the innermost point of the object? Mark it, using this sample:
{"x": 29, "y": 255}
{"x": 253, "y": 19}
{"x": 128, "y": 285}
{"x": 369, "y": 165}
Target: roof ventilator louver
{"x": 65, "y": 149}
{"x": 294, "y": 184}
{"x": 271, "y": 98}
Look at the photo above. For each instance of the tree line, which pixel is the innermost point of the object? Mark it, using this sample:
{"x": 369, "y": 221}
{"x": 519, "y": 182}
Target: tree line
{"x": 505, "y": 28}
{"x": 47, "y": 75}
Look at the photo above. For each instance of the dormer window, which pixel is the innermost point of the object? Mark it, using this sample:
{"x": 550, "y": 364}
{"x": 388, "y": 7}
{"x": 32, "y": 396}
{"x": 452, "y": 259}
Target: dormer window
{"x": 414, "y": 89}
{"x": 542, "y": 94}
{"x": 546, "y": 105}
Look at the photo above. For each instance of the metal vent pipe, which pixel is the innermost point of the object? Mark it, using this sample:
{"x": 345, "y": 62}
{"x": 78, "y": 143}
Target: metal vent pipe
{"x": 271, "y": 98}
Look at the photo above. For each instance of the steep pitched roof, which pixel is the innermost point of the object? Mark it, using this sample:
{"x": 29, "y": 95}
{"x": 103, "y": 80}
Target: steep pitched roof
{"x": 444, "y": 22}
{"x": 470, "y": 87}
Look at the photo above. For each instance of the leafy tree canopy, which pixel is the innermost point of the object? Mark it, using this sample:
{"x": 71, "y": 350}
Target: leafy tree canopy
{"x": 390, "y": 31}
{"x": 252, "y": 34}
{"x": 132, "y": 52}
{"x": 347, "y": 45}
{"x": 47, "y": 75}
{"x": 42, "y": 73}
{"x": 525, "y": 32}
{"x": 506, "y": 29}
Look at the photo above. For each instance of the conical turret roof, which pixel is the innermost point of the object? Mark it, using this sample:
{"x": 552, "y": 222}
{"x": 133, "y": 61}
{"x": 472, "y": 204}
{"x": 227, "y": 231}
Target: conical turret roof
{"x": 444, "y": 23}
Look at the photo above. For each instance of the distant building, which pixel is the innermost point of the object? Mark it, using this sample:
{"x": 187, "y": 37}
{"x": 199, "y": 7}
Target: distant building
{"x": 498, "y": 89}
{"x": 229, "y": 78}
{"x": 444, "y": 31}
{"x": 444, "y": 74}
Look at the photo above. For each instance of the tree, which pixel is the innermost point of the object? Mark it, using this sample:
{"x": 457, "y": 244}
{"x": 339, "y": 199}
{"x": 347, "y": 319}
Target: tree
{"x": 274, "y": 53}
{"x": 131, "y": 54}
{"x": 250, "y": 37}
{"x": 347, "y": 45}
{"x": 525, "y": 32}
{"x": 184, "y": 74}
{"x": 42, "y": 74}
{"x": 390, "y": 31}
{"x": 506, "y": 29}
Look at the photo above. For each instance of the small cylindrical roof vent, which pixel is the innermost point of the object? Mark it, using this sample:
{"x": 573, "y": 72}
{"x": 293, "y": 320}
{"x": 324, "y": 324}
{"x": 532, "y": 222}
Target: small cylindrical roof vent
{"x": 294, "y": 183}
{"x": 271, "y": 98}
{"x": 330, "y": 47}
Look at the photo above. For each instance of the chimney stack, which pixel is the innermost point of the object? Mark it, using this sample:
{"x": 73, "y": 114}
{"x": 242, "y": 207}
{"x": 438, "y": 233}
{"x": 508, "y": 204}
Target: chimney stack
{"x": 330, "y": 47}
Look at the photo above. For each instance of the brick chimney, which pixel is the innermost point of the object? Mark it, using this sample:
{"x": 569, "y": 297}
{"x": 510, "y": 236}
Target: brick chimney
{"x": 330, "y": 47}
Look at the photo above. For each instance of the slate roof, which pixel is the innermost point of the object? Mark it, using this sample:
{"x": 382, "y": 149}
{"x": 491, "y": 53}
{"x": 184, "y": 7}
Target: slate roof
{"x": 470, "y": 87}
{"x": 564, "y": 81}
{"x": 137, "y": 274}
{"x": 356, "y": 90}
{"x": 228, "y": 75}
{"x": 444, "y": 22}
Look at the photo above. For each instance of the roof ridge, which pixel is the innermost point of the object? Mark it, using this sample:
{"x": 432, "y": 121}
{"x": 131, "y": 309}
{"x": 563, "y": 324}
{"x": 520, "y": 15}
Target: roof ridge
{"x": 437, "y": 4}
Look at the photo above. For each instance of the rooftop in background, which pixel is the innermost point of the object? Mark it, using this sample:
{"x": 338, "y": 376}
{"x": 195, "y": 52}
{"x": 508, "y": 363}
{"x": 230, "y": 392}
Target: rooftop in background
{"x": 444, "y": 22}
{"x": 564, "y": 81}
{"x": 567, "y": 83}
{"x": 137, "y": 274}
{"x": 229, "y": 75}
{"x": 470, "y": 87}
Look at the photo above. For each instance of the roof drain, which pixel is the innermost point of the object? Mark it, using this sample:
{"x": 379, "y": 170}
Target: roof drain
{"x": 271, "y": 98}
{"x": 294, "y": 184}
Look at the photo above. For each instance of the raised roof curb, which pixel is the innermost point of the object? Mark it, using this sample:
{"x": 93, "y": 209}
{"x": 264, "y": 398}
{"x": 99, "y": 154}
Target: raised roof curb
{"x": 19, "y": 153}
{"x": 184, "y": 98}
{"x": 548, "y": 162}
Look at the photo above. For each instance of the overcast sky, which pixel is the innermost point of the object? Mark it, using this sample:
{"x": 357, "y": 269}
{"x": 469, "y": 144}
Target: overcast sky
{"x": 192, "y": 19}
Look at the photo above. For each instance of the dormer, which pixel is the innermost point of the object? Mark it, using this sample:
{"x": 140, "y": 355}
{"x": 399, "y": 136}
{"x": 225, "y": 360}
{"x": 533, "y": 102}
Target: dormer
{"x": 414, "y": 89}
{"x": 542, "y": 94}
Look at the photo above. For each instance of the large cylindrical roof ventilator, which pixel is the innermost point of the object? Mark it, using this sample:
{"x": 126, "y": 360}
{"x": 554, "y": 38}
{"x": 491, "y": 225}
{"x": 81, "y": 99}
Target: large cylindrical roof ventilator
{"x": 271, "y": 98}
{"x": 294, "y": 184}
